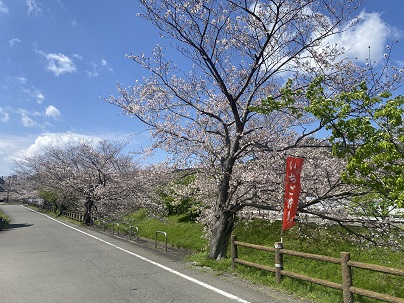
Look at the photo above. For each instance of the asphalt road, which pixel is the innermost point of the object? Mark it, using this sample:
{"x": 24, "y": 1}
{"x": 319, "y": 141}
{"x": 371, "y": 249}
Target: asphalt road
{"x": 47, "y": 260}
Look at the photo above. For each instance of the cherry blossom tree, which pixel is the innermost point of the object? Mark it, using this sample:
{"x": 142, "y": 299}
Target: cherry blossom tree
{"x": 97, "y": 177}
{"x": 233, "y": 55}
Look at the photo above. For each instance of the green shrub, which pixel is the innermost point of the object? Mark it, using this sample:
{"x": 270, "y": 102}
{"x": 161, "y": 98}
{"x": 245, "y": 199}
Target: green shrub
{"x": 5, "y": 220}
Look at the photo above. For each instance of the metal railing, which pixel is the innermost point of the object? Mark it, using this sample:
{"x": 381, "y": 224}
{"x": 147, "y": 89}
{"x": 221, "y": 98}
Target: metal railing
{"x": 131, "y": 232}
{"x": 115, "y": 227}
{"x": 165, "y": 238}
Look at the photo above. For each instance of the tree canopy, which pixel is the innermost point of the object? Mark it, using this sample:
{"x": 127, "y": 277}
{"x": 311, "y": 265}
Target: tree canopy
{"x": 97, "y": 176}
{"x": 369, "y": 133}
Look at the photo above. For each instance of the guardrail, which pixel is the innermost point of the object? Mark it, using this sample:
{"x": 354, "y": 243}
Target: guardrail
{"x": 165, "y": 237}
{"x": 113, "y": 228}
{"x": 346, "y": 286}
{"x": 131, "y": 230}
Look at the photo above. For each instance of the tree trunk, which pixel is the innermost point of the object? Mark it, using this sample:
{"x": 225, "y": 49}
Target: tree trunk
{"x": 223, "y": 219}
{"x": 62, "y": 209}
{"x": 222, "y": 228}
{"x": 87, "y": 214}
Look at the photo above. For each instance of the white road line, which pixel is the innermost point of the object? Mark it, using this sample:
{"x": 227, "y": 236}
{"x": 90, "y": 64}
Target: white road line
{"x": 219, "y": 291}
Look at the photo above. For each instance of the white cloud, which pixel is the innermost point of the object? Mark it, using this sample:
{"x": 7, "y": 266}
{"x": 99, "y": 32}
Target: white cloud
{"x": 59, "y": 63}
{"x": 27, "y": 121}
{"x": 22, "y": 79}
{"x": 4, "y": 115}
{"x": 33, "y": 92}
{"x": 78, "y": 56}
{"x": 3, "y": 8}
{"x": 93, "y": 73}
{"x": 30, "y": 90}
{"x": 33, "y": 118}
{"x": 34, "y": 8}
{"x": 15, "y": 147}
{"x": 9, "y": 146}
{"x": 48, "y": 140}
{"x": 39, "y": 96}
{"x": 105, "y": 64}
{"x": 371, "y": 31}
{"x": 52, "y": 111}
{"x": 96, "y": 68}
{"x": 13, "y": 41}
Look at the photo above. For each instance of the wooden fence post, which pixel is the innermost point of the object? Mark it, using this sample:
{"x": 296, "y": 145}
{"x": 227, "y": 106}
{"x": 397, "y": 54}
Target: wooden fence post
{"x": 278, "y": 262}
{"x": 233, "y": 250}
{"x": 346, "y": 277}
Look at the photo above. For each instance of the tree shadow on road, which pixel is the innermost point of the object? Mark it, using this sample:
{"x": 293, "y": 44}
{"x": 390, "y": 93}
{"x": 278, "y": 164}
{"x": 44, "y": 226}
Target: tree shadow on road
{"x": 18, "y": 225}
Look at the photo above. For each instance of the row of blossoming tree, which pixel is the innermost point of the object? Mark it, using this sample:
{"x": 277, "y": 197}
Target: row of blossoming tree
{"x": 97, "y": 178}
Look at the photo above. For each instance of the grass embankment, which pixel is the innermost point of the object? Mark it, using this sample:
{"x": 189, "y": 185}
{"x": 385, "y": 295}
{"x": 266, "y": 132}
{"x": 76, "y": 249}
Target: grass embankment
{"x": 329, "y": 242}
{"x": 180, "y": 234}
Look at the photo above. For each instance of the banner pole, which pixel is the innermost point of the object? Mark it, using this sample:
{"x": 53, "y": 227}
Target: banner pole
{"x": 284, "y": 193}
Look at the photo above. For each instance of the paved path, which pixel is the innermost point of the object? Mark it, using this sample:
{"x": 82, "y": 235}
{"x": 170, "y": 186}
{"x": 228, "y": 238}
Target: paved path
{"x": 47, "y": 260}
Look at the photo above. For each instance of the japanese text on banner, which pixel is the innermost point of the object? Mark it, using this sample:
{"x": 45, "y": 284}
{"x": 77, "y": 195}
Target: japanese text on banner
{"x": 292, "y": 191}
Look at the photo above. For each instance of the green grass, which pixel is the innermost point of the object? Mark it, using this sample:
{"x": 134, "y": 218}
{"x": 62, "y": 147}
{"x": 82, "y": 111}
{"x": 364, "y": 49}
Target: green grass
{"x": 186, "y": 235}
{"x": 328, "y": 241}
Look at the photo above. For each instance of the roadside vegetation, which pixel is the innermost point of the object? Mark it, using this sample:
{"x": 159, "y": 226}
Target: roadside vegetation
{"x": 329, "y": 241}
{"x": 181, "y": 232}
{"x": 4, "y": 221}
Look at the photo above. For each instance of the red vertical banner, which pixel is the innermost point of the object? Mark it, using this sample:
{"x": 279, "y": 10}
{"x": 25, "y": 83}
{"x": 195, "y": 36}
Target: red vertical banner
{"x": 292, "y": 191}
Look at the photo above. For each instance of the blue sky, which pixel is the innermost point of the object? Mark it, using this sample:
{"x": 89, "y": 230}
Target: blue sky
{"x": 58, "y": 57}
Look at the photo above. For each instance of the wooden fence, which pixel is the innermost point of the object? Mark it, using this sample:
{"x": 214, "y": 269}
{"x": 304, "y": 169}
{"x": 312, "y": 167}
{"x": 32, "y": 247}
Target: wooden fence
{"x": 74, "y": 216}
{"x": 346, "y": 286}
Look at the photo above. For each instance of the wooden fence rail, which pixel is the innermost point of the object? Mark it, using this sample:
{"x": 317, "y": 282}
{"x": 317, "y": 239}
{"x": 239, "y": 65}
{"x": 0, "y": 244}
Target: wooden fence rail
{"x": 346, "y": 264}
{"x": 74, "y": 215}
